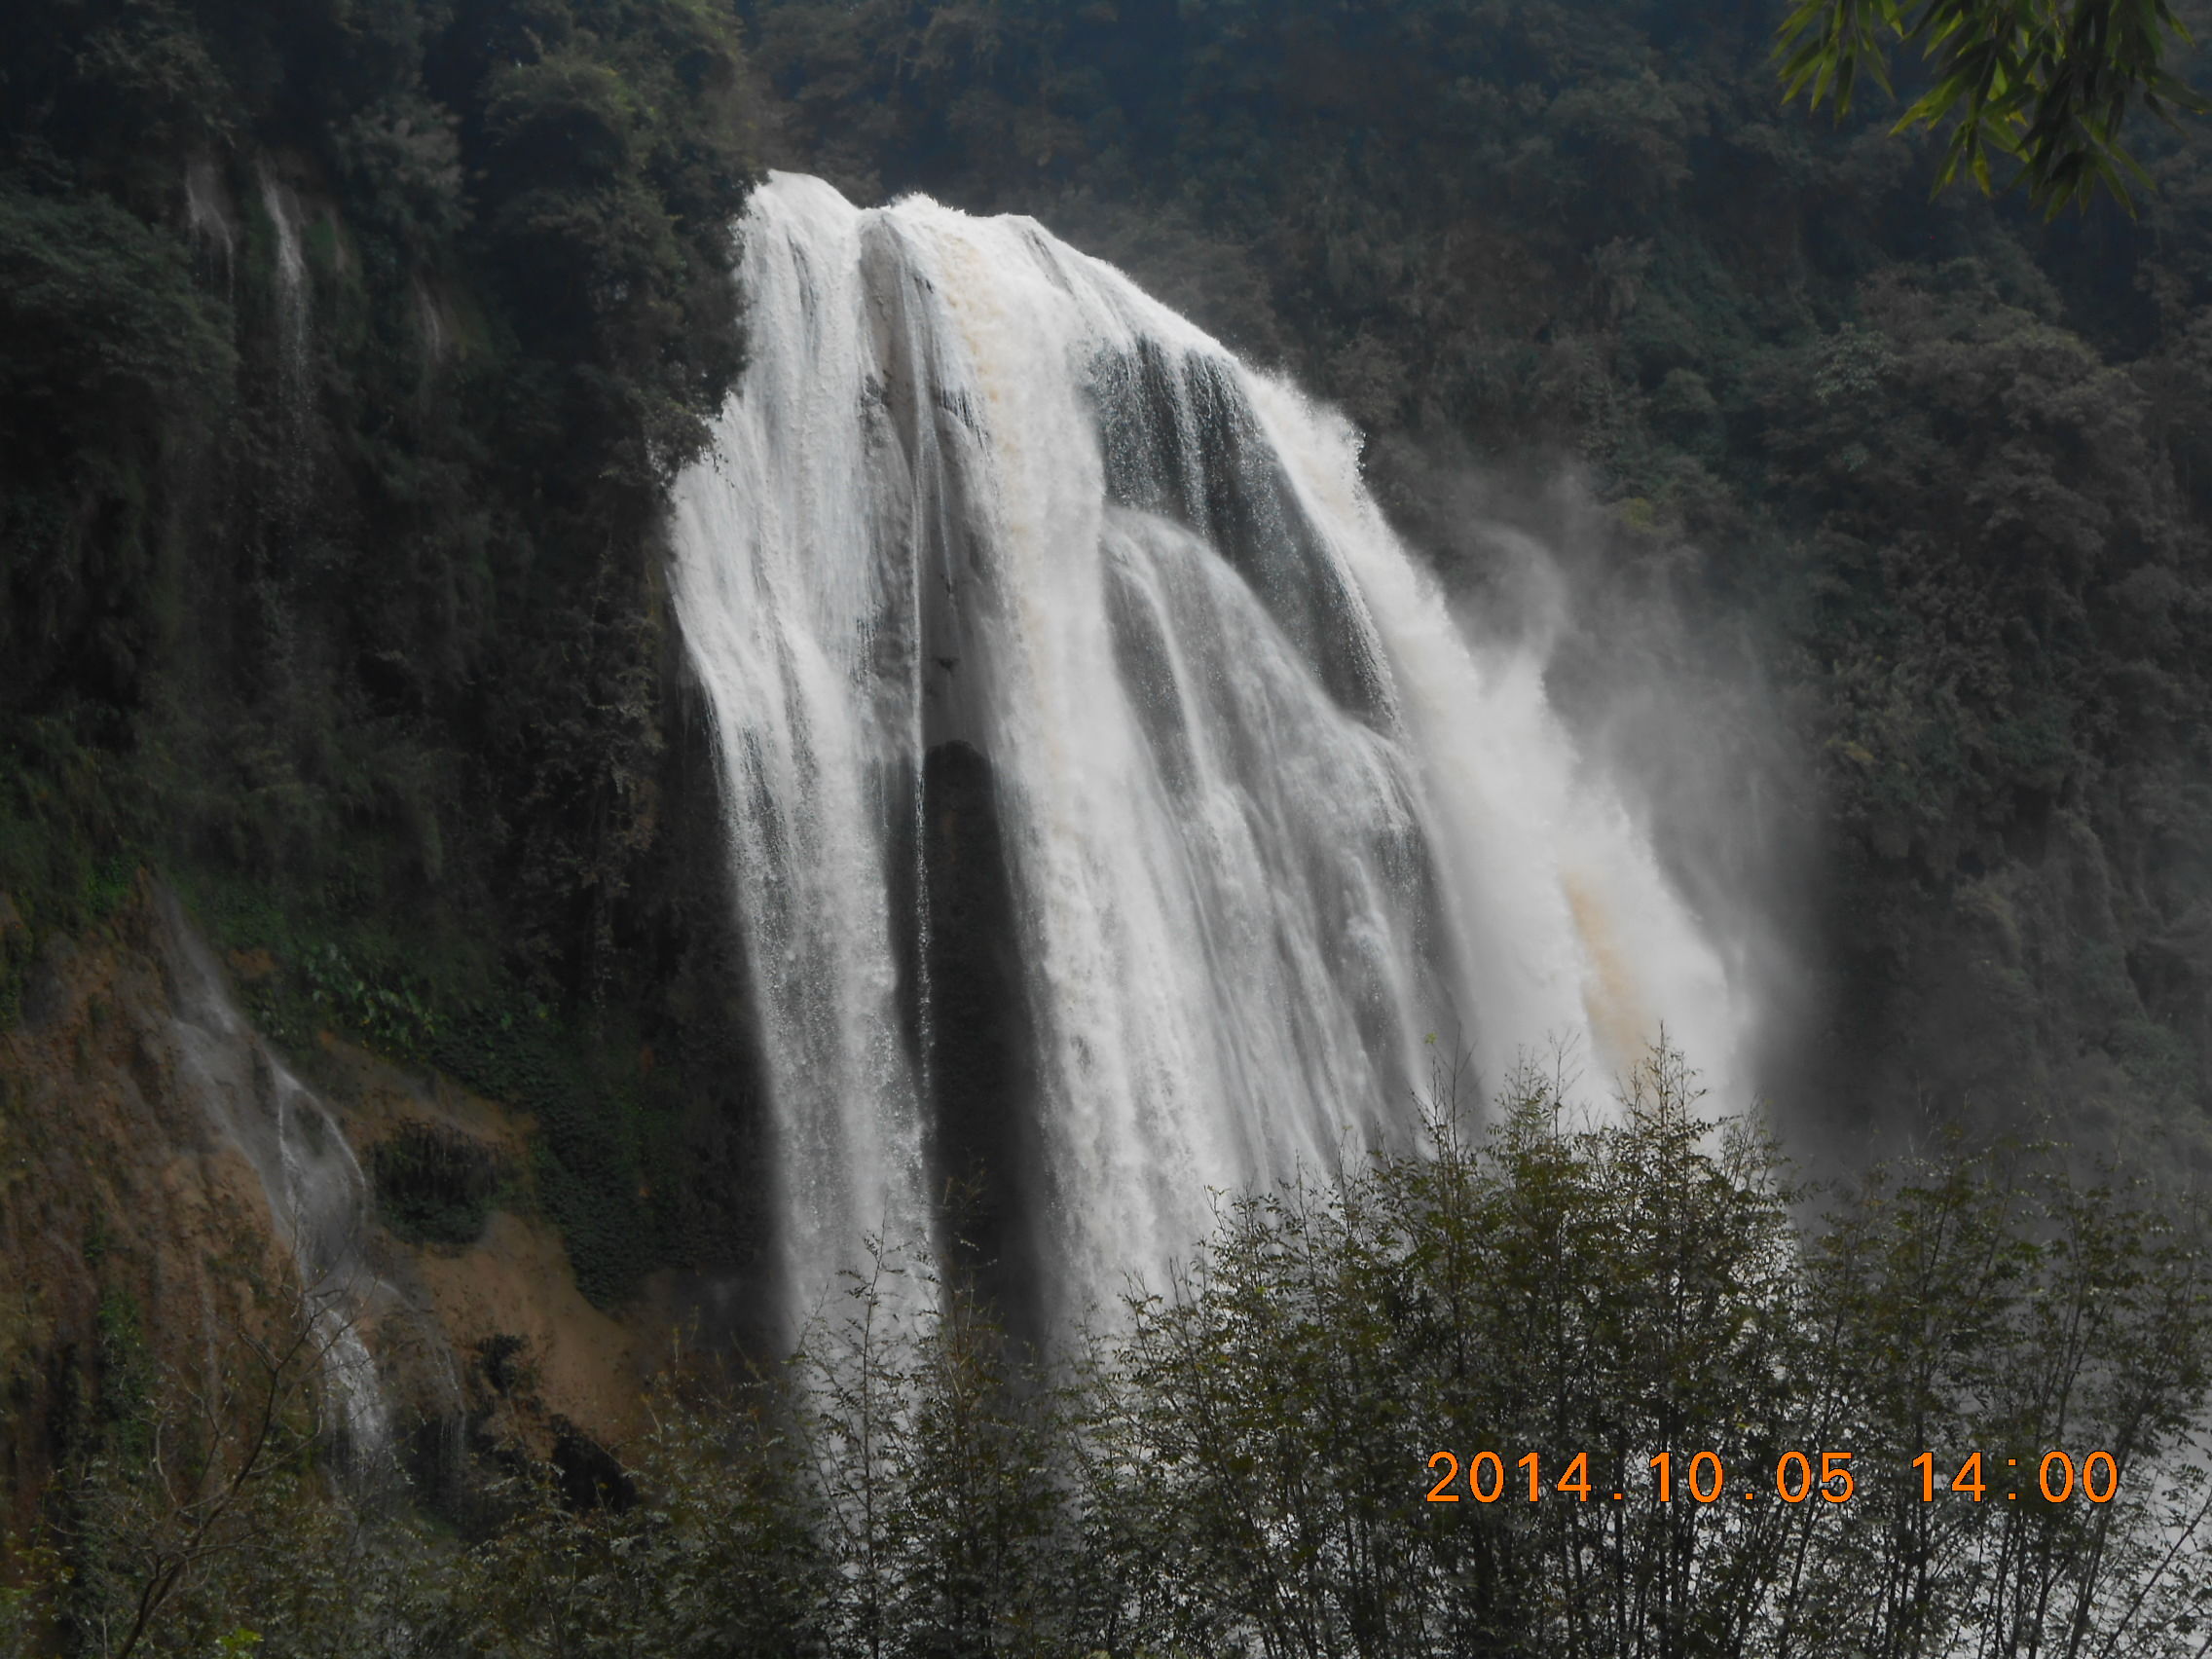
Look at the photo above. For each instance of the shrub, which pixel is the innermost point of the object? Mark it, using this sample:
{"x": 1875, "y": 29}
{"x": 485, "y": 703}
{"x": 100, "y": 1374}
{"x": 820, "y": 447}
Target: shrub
{"x": 435, "y": 1184}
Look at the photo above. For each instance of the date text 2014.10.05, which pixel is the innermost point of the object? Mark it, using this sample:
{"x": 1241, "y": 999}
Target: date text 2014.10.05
{"x": 1794, "y": 1478}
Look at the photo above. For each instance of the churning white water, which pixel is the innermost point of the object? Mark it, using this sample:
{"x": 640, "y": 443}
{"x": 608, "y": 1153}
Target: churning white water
{"x": 1109, "y": 793}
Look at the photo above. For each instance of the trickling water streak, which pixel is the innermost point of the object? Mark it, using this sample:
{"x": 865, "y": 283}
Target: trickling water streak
{"x": 292, "y": 323}
{"x": 313, "y": 1185}
{"x": 206, "y": 216}
{"x": 430, "y": 324}
{"x": 1109, "y": 793}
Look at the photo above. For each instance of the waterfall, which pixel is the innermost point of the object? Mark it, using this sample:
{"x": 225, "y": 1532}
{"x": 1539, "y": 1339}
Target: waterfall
{"x": 292, "y": 323}
{"x": 208, "y": 219}
{"x": 1115, "y": 809}
{"x": 313, "y": 1183}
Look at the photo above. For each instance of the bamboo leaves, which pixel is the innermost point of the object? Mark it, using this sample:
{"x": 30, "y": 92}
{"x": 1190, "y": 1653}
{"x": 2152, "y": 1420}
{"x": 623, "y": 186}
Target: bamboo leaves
{"x": 2044, "y": 86}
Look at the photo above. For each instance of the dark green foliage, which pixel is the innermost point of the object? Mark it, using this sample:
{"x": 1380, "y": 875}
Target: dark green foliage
{"x": 126, "y": 1373}
{"x": 611, "y": 163}
{"x": 592, "y": 1138}
{"x": 223, "y": 1508}
{"x": 103, "y": 318}
{"x": 605, "y": 1147}
{"x": 342, "y": 610}
{"x": 114, "y": 356}
{"x": 435, "y": 1184}
{"x": 721, "y": 1556}
{"x": 939, "y": 1469}
{"x": 2049, "y": 90}
{"x": 294, "y": 594}
{"x": 2015, "y": 714}
{"x": 393, "y": 1016}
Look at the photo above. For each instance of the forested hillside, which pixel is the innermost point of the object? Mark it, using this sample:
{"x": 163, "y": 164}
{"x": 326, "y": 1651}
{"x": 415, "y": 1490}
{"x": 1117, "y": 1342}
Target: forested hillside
{"x": 349, "y": 350}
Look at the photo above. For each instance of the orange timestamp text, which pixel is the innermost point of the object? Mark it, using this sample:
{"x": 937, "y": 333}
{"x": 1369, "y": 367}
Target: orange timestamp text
{"x": 1796, "y": 1477}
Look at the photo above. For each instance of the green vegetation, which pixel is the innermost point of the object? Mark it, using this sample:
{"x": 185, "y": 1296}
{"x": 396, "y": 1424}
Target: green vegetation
{"x": 350, "y": 623}
{"x": 2050, "y": 90}
{"x": 126, "y": 1372}
{"x": 598, "y": 1153}
{"x": 1241, "y": 1466}
{"x": 605, "y": 1136}
{"x": 222, "y": 1485}
{"x": 434, "y": 1184}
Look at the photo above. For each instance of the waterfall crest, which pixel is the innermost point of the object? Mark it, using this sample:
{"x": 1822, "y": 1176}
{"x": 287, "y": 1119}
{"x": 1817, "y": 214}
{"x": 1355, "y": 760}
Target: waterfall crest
{"x": 1114, "y": 807}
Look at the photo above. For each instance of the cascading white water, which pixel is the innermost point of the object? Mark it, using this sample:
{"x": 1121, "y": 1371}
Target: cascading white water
{"x": 1108, "y": 791}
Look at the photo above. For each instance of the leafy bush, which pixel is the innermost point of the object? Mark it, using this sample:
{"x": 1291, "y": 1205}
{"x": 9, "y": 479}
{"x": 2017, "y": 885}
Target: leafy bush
{"x": 104, "y": 317}
{"x": 434, "y": 1184}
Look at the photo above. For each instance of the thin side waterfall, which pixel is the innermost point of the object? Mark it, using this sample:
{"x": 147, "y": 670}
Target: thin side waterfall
{"x": 282, "y": 208}
{"x": 293, "y": 322}
{"x": 1115, "y": 809}
{"x": 316, "y": 1192}
{"x": 208, "y": 219}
